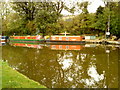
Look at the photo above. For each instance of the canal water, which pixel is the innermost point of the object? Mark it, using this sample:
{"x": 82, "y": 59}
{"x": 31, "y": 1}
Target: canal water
{"x": 65, "y": 66}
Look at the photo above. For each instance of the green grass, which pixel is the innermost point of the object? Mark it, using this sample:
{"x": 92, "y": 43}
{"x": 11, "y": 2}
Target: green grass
{"x": 0, "y": 75}
{"x": 13, "y": 79}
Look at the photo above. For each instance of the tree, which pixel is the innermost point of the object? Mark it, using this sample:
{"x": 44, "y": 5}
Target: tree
{"x": 38, "y": 15}
{"x": 5, "y": 10}
{"x": 105, "y": 15}
{"x": 115, "y": 19}
{"x": 83, "y": 17}
{"x": 25, "y": 9}
{"x": 48, "y": 15}
{"x": 99, "y": 11}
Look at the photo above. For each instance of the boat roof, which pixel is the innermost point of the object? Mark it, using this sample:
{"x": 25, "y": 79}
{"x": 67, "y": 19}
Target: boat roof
{"x": 63, "y": 36}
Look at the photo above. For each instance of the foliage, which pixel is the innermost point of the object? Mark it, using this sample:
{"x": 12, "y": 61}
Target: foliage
{"x": 108, "y": 14}
{"x": 30, "y": 18}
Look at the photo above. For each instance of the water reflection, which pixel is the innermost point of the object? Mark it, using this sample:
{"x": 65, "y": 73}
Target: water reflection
{"x": 2, "y": 43}
{"x": 29, "y": 45}
{"x": 94, "y": 78}
{"x": 58, "y": 66}
{"x": 66, "y": 47}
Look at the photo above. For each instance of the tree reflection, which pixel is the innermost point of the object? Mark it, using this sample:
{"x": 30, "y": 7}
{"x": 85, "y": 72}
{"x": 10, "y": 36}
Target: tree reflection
{"x": 85, "y": 68}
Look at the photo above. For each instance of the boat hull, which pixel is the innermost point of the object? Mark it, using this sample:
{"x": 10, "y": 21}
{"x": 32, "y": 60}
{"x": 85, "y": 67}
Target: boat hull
{"x": 65, "y": 42}
{"x": 26, "y": 40}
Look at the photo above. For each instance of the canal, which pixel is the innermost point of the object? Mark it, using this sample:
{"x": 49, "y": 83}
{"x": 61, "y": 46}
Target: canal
{"x": 65, "y": 66}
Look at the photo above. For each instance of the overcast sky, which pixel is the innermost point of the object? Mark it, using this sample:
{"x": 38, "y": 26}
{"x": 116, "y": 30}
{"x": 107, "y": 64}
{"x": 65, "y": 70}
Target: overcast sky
{"x": 91, "y": 8}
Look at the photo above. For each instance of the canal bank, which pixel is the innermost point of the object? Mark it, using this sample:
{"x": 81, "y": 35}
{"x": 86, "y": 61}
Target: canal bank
{"x": 102, "y": 42}
{"x": 13, "y": 79}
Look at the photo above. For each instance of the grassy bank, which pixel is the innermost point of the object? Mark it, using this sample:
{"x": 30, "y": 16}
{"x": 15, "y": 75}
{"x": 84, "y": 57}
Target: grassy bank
{"x": 13, "y": 79}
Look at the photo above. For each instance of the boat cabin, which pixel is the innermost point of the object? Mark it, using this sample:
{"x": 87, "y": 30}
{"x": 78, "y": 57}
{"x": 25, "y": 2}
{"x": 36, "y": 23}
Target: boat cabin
{"x": 66, "y": 38}
{"x": 26, "y": 37}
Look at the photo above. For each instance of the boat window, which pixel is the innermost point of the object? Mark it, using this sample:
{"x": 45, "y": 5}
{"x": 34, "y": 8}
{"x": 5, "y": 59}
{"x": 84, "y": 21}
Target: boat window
{"x": 60, "y": 38}
{"x": 53, "y": 38}
{"x": 53, "y": 46}
{"x": 67, "y": 38}
{"x": 67, "y": 47}
{"x": 60, "y": 46}
{"x": 3, "y": 37}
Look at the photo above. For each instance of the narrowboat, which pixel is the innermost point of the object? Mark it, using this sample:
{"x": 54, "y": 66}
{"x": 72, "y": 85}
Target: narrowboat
{"x": 3, "y": 40}
{"x": 65, "y": 39}
{"x": 37, "y": 38}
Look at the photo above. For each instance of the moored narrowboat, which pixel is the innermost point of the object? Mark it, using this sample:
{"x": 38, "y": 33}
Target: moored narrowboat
{"x": 65, "y": 39}
{"x": 3, "y": 40}
{"x": 37, "y": 38}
